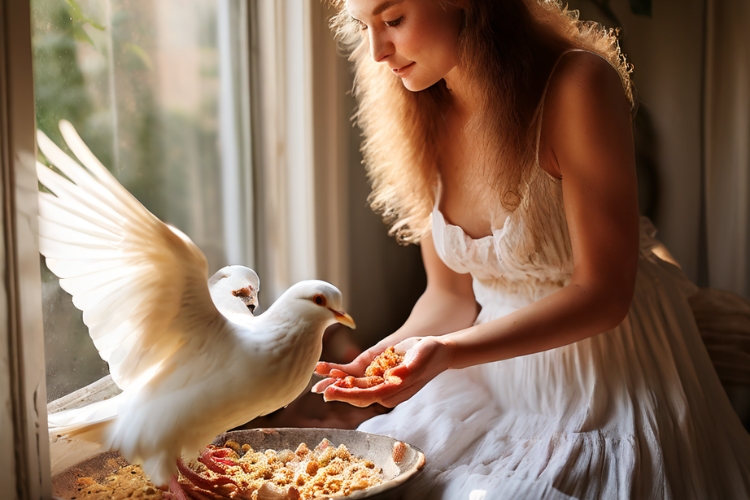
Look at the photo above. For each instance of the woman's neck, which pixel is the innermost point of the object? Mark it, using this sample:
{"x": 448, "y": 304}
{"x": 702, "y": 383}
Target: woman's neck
{"x": 464, "y": 101}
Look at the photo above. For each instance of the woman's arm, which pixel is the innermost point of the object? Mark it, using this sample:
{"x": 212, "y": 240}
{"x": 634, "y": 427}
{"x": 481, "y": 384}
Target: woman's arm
{"x": 447, "y": 305}
{"x": 588, "y": 141}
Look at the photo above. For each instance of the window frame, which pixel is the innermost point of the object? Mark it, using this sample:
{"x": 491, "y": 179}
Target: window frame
{"x": 24, "y": 446}
{"x": 302, "y": 151}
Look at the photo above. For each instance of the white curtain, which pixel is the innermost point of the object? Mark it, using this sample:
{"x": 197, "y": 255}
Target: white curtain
{"x": 727, "y": 140}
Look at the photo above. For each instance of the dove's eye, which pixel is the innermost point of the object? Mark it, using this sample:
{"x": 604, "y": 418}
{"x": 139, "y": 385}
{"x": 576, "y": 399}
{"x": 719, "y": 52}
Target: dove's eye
{"x": 320, "y": 300}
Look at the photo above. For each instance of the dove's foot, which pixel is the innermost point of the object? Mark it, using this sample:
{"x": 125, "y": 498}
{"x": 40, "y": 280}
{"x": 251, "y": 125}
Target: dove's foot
{"x": 216, "y": 459}
{"x": 218, "y": 484}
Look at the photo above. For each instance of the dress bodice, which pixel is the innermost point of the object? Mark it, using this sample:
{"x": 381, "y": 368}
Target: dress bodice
{"x": 525, "y": 259}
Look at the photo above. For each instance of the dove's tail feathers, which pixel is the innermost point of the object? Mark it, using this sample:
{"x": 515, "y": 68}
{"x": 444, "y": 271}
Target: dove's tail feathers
{"x": 89, "y": 423}
{"x": 96, "y": 432}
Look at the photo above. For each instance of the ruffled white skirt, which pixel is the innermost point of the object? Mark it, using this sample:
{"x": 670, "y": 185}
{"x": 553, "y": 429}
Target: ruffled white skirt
{"x": 637, "y": 412}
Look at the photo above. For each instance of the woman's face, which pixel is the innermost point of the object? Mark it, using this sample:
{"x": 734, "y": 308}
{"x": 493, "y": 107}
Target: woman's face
{"x": 417, "y": 39}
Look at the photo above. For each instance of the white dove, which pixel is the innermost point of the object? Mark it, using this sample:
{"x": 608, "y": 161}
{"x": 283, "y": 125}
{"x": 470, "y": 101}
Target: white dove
{"x": 189, "y": 369}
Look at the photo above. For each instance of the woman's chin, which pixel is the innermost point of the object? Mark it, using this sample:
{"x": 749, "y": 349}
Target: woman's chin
{"x": 416, "y": 85}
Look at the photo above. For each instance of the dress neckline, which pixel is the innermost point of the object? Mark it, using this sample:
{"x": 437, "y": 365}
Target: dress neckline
{"x": 437, "y": 213}
{"x": 446, "y": 223}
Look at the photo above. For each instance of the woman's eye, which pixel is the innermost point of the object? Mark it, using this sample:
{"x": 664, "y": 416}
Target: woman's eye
{"x": 395, "y": 22}
{"x": 362, "y": 26}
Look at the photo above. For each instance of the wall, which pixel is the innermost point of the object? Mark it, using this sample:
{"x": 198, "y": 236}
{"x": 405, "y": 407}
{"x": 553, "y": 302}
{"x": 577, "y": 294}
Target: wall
{"x": 386, "y": 279}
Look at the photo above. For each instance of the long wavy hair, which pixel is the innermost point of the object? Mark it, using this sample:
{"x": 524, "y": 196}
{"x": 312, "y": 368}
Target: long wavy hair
{"x": 498, "y": 43}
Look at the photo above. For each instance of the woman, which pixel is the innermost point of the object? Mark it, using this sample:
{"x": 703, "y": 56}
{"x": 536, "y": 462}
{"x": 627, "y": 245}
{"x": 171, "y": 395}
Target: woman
{"x": 553, "y": 354}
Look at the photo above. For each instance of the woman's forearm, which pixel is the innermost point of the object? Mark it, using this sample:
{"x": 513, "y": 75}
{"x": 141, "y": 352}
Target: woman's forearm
{"x": 437, "y": 312}
{"x": 571, "y": 314}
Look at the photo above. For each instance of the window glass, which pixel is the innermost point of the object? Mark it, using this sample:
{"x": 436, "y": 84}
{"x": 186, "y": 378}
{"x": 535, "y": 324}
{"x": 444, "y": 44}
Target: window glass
{"x": 146, "y": 85}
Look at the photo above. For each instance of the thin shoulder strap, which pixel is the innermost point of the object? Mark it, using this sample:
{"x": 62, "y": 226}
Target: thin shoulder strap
{"x": 540, "y": 109}
{"x": 438, "y": 191}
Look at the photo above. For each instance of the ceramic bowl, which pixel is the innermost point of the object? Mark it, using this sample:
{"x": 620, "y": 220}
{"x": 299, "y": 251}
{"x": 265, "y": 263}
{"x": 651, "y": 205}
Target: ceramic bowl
{"x": 373, "y": 447}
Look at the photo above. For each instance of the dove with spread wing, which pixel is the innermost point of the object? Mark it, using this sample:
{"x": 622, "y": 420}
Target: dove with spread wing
{"x": 191, "y": 359}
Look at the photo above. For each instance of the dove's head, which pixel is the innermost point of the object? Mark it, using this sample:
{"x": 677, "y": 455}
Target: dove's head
{"x": 317, "y": 299}
{"x": 236, "y": 283}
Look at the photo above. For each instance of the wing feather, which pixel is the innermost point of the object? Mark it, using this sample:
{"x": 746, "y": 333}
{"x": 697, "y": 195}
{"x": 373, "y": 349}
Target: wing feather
{"x": 70, "y": 268}
{"x": 142, "y": 286}
{"x": 53, "y": 203}
{"x": 104, "y": 176}
{"x": 90, "y": 281}
{"x": 102, "y": 187}
{"x": 65, "y": 221}
{"x": 102, "y": 320}
{"x": 108, "y": 293}
{"x": 60, "y": 250}
{"x": 79, "y": 197}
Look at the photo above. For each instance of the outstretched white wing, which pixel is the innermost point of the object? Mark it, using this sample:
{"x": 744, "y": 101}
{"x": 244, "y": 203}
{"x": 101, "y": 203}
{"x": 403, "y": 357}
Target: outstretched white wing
{"x": 140, "y": 283}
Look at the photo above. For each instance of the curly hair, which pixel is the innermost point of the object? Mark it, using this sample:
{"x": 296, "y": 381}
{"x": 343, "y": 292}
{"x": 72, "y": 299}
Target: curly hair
{"x": 498, "y": 42}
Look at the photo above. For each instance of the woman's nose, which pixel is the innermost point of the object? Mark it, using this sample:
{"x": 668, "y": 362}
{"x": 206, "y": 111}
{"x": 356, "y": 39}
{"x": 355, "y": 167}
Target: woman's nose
{"x": 380, "y": 46}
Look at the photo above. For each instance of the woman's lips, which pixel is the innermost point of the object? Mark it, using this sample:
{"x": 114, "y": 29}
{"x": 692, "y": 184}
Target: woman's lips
{"x": 403, "y": 69}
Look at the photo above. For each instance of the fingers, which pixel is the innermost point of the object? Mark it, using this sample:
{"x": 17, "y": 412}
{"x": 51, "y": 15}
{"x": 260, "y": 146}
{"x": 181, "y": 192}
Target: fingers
{"x": 356, "y": 367}
{"x": 321, "y": 386}
{"x": 360, "y": 391}
{"x": 363, "y": 397}
{"x": 324, "y": 368}
{"x": 335, "y": 370}
{"x": 338, "y": 373}
{"x": 399, "y": 371}
{"x": 345, "y": 381}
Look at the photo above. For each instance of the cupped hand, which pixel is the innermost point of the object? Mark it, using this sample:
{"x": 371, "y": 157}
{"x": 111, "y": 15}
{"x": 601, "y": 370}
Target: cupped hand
{"x": 425, "y": 358}
{"x": 334, "y": 371}
{"x": 356, "y": 367}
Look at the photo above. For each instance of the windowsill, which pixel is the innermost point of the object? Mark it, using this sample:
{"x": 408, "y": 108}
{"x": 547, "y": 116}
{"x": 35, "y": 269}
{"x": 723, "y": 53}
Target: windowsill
{"x": 67, "y": 452}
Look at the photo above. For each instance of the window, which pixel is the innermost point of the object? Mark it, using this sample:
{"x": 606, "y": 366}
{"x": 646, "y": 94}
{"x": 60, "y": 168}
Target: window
{"x": 163, "y": 92}
{"x": 157, "y": 92}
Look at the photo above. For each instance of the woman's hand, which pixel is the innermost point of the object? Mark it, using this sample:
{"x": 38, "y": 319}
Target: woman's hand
{"x": 356, "y": 367}
{"x": 425, "y": 358}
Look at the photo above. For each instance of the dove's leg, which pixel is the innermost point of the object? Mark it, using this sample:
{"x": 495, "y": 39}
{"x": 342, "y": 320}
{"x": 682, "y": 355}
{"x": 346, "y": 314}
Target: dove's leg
{"x": 176, "y": 490}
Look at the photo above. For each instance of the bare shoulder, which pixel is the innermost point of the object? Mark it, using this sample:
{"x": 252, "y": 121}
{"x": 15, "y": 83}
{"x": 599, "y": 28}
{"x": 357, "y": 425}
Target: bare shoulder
{"x": 584, "y": 76}
{"x": 585, "y": 105}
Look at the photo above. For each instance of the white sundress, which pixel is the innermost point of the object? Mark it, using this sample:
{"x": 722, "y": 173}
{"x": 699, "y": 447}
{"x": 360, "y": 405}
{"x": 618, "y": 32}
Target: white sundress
{"x": 633, "y": 413}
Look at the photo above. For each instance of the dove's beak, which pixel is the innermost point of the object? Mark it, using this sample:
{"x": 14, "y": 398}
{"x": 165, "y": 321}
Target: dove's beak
{"x": 344, "y": 319}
